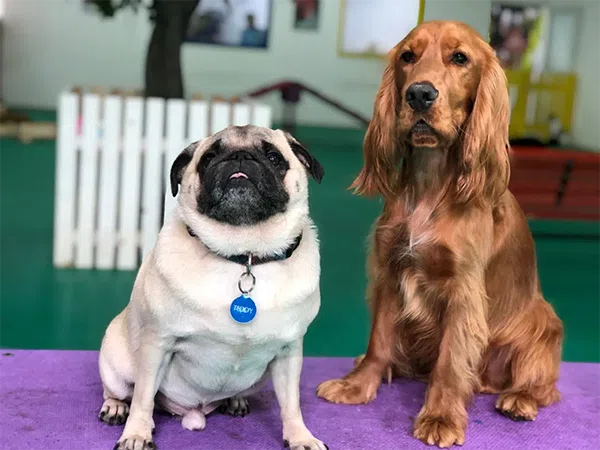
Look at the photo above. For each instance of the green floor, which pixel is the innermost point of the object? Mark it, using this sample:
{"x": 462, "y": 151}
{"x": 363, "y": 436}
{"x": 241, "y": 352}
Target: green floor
{"x": 69, "y": 309}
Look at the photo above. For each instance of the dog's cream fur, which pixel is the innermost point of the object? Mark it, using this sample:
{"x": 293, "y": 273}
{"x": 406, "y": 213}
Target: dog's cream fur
{"x": 176, "y": 335}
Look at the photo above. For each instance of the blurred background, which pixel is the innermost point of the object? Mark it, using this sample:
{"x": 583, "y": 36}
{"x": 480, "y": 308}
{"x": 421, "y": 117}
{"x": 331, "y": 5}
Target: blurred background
{"x": 79, "y": 171}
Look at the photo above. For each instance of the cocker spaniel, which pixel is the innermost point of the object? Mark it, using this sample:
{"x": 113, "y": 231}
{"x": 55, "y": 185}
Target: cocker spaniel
{"x": 453, "y": 284}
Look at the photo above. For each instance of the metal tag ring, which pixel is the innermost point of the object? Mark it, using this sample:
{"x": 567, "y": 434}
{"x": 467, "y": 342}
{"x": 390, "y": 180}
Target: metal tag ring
{"x": 253, "y": 282}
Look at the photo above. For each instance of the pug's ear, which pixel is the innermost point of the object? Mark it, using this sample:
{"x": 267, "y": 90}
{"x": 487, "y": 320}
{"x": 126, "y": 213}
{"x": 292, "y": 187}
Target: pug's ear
{"x": 179, "y": 166}
{"x": 311, "y": 164}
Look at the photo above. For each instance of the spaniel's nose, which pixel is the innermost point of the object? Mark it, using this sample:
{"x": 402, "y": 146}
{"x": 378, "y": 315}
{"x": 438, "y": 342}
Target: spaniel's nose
{"x": 420, "y": 96}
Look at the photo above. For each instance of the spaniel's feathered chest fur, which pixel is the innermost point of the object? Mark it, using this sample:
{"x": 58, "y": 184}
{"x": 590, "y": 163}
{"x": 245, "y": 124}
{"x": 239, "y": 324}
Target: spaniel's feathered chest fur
{"x": 410, "y": 254}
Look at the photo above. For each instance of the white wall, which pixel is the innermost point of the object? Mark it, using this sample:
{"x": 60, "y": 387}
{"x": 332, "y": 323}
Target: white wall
{"x": 586, "y": 121}
{"x": 476, "y": 13}
{"x": 51, "y": 44}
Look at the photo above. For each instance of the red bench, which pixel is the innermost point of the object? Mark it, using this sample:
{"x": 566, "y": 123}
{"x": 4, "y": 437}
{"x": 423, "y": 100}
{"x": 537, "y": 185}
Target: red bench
{"x": 555, "y": 183}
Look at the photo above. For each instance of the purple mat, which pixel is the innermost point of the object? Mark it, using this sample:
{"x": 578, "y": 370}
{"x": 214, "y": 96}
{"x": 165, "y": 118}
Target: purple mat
{"x": 50, "y": 400}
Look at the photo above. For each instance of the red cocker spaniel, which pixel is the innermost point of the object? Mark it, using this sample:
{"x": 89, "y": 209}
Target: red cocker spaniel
{"x": 454, "y": 289}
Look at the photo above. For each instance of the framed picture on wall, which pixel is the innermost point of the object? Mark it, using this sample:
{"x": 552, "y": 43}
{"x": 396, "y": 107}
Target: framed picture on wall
{"x": 370, "y": 28}
{"x": 307, "y": 14}
{"x": 231, "y": 23}
{"x": 518, "y": 34}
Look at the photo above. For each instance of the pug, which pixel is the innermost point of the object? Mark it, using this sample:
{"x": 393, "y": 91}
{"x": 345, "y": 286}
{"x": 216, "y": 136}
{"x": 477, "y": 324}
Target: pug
{"x": 224, "y": 299}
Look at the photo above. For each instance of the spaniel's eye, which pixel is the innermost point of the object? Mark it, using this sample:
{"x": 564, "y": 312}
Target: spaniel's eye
{"x": 408, "y": 57}
{"x": 460, "y": 59}
{"x": 274, "y": 157}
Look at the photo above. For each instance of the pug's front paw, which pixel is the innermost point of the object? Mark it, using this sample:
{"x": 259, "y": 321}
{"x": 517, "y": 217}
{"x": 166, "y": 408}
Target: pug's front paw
{"x": 302, "y": 439}
{"x": 137, "y": 434}
{"x": 114, "y": 412}
{"x": 312, "y": 444}
{"x": 135, "y": 443}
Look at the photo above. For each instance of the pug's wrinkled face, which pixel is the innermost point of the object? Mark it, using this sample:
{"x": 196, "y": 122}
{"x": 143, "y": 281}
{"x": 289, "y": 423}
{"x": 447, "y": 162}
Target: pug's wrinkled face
{"x": 243, "y": 175}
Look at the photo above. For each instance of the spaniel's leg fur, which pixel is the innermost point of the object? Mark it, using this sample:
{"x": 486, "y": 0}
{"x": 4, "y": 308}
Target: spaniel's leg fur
{"x": 389, "y": 372}
{"x": 534, "y": 367}
{"x": 443, "y": 419}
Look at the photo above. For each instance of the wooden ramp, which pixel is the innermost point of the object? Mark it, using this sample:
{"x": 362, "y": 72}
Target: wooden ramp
{"x": 556, "y": 184}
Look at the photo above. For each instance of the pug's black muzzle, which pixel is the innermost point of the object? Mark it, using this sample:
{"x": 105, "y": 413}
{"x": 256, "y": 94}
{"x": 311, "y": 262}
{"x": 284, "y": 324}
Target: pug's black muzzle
{"x": 241, "y": 188}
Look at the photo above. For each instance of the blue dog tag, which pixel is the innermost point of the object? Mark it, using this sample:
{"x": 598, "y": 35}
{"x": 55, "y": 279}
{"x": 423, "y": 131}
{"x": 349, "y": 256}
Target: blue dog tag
{"x": 243, "y": 309}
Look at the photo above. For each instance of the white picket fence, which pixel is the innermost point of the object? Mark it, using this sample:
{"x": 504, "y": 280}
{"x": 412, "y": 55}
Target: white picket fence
{"x": 113, "y": 159}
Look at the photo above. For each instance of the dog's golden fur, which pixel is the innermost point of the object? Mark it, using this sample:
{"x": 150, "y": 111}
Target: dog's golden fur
{"x": 454, "y": 290}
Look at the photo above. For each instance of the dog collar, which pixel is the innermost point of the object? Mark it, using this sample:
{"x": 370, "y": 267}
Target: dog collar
{"x": 243, "y": 259}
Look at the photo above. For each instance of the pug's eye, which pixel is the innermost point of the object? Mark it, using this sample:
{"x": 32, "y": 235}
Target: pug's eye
{"x": 206, "y": 159}
{"x": 274, "y": 157}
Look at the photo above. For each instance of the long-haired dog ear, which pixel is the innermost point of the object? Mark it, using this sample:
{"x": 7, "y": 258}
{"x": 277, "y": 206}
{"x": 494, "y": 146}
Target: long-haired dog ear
{"x": 179, "y": 165}
{"x": 310, "y": 163}
{"x": 485, "y": 164}
{"x": 380, "y": 146}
